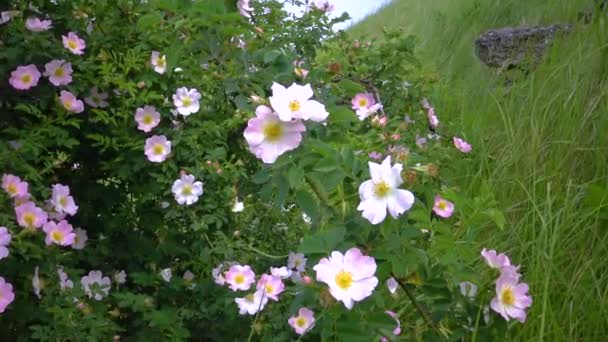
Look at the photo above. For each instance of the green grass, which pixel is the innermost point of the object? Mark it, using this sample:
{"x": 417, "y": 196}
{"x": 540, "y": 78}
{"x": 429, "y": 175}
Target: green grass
{"x": 537, "y": 147}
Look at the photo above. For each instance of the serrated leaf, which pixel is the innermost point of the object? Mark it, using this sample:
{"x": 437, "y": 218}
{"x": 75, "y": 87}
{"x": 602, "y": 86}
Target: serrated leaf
{"x": 323, "y": 241}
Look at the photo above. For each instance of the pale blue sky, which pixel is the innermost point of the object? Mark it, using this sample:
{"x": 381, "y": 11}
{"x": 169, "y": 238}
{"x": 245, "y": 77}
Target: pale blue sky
{"x": 357, "y": 9}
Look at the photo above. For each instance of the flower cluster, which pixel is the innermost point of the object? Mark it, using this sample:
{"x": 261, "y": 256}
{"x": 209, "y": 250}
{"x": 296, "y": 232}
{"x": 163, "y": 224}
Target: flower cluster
{"x": 279, "y": 129}
{"x": 512, "y": 299}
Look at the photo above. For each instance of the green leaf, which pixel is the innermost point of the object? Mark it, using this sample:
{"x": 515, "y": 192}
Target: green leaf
{"x": 323, "y": 241}
{"x": 341, "y": 114}
{"x": 307, "y": 203}
{"x": 350, "y": 88}
{"x": 271, "y": 56}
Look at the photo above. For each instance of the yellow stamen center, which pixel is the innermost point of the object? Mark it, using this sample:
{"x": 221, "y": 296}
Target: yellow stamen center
{"x": 147, "y": 119}
{"x": 27, "y": 78}
{"x": 381, "y": 189}
{"x": 186, "y": 101}
{"x": 72, "y": 44}
{"x": 63, "y": 201}
{"x": 249, "y": 297}
{"x": 344, "y": 280}
{"x": 59, "y": 72}
{"x": 294, "y": 106}
{"x": 158, "y": 149}
{"x": 273, "y": 131}
{"x": 362, "y": 102}
{"x": 57, "y": 236}
{"x": 187, "y": 190}
{"x": 96, "y": 98}
{"x": 67, "y": 104}
{"x": 239, "y": 279}
{"x": 29, "y": 219}
{"x": 11, "y": 189}
{"x": 161, "y": 62}
{"x": 507, "y": 296}
{"x": 442, "y": 205}
{"x": 301, "y": 322}
{"x": 269, "y": 289}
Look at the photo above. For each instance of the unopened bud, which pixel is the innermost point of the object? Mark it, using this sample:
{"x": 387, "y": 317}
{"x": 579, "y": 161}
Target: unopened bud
{"x": 141, "y": 84}
{"x": 307, "y": 280}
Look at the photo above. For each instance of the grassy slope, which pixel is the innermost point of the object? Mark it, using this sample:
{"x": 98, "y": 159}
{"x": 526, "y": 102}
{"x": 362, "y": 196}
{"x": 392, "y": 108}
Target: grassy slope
{"x": 536, "y": 147}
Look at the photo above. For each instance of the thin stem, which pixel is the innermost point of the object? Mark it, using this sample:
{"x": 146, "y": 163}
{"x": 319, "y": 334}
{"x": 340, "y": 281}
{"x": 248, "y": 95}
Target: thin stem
{"x": 253, "y": 249}
{"x": 419, "y": 308}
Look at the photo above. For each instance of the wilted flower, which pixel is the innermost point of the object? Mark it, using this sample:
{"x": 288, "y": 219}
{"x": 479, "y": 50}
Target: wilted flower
{"x": 70, "y": 102}
{"x": 382, "y": 193}
{"x": 80, "y": 238}
{"x": 5, "y": 240}
{"x": 120, "y": 277}
{"x": 25, "y": 77}
{"x": 6, "y": 16}
{"x": 217, "y": 274}
{"x": 420, "y": 141}
{"x": 269, "y": 137}
{"x": 36, "y": 283}
{"x": 30, "y": 216}
{"x": 392, "y": 284}
{"x": 157, "y": 148}
{"x": 296, "y": 261}
{"x": 298, "y": 70}
{"x": 73, "y": 43}
{"x": 271, "y": 285}
{"x": 64, "y": 280}
{"x": 166, "y": 274}
{"x": 95, "y": 285}
{"x": 238, "y": 206}
{"x": 303, "y": 322}
{"x": 375, "y": 155}
{"x": 62, "y": 201}
{"x": 158, "y": 62}
{"x": 323, "y": 5}
{"x": 468, "y": 289}
{"x": 36, "y": 25}
{"x": 147, "y": 118}
{"x": 442, "y": 207}
{"x": 380, "y": 121}
{"x": 281, "y": 272}
{"x": 97, "y": 99}
{"x": 6, "y": 294}
{"x": 350, "y": 276}
{"x": 188, "y": 276}
{"x": 294, "y": 103}
{"x": 511, "y": 299}
{"x": 13, "y": 186}
{"x": 186, "y": 101}
{"x": 252, "y": 303}
{"x": 59, "y": 72}
{"x": 365, "y": 105}
{"x": 239, "y": 277}
{"x": 433, "y": 120}
{"x": 186, "y": 190}
{"x": 494, "y": 259}
{"x": 462, "y": 145}
{"x": 244, "y": 8}
{"x": 397, "y": 330}
{"x": 61, "y": 233}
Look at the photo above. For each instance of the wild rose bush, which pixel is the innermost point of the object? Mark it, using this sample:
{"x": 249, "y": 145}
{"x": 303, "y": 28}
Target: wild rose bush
{"x": 184, "y": 169}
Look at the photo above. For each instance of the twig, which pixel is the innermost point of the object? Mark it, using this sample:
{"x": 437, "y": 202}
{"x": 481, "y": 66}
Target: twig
{"x": 419, "y": 308}
{"x": 253, "y": 249}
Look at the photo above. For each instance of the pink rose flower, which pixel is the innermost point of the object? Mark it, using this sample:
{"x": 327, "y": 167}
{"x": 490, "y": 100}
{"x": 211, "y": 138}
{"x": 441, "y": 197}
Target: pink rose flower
{"x": 157, "y": 148}
{"x": 61, "y": 233}
{"x": 24, "y": 77}
{"x": 462, "y": 145}
{"x": 14, "y": 187}
{"x": 30, "y": 216}
{"x": 59, "y": 72}
{"x": 36, "y": 25}
{"x": 303, "y": 322}
{"x": 147, "y": 118}
{"x": 73, "y": 43}
{"x": 442, "y": 207}
{"x": 70, "y": 102}
{"x": 6, "y": 294}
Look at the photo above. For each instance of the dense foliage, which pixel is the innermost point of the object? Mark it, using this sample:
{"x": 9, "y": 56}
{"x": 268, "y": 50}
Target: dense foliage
{"x": 194, "y": 73}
